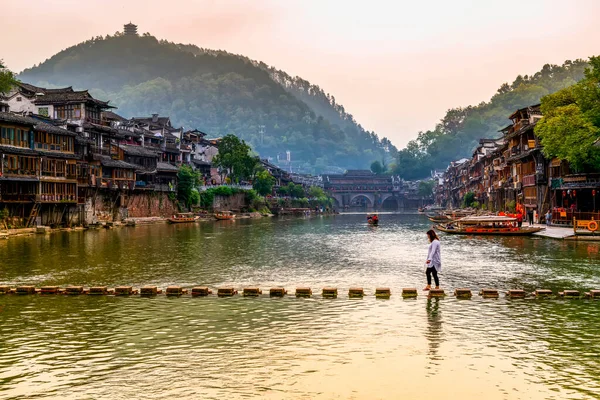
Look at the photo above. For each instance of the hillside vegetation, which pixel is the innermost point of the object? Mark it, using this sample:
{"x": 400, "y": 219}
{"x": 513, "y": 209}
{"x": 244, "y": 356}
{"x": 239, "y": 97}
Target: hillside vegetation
{"x": 458, "y": 133}
{"x": 219, "y": 93}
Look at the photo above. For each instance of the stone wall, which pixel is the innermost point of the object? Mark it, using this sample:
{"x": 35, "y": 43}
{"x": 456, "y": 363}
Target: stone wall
{"x": 225, "y": 203}
{"x": 111, "y": 206}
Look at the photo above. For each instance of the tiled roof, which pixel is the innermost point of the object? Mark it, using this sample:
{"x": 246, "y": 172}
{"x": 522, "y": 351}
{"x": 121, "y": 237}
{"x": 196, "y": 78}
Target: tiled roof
{"x": 161, "y": 166}
{"x": 26, "y": 87}
{"x": 43, "y": 127}
{"x": 36, "y": 124}
{"x": 70, "y": 98}
{"x": 113, "y": 116}
{"x": 138, "y": 151}
{"x": 109, "y": 162}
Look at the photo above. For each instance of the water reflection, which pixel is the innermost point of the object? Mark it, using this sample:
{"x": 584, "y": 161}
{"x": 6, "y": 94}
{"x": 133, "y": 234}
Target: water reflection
{"x": 77, "y": 347}
{"x": 434, "y": 334}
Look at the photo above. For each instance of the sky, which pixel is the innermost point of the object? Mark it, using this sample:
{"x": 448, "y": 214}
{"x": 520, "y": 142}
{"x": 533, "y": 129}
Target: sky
{"x": 397, "y": 66}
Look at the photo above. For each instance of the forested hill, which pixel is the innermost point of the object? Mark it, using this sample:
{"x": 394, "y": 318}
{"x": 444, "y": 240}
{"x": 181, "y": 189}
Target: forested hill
{"x": 216, "y": 92}
{"x": 458, "y": 133}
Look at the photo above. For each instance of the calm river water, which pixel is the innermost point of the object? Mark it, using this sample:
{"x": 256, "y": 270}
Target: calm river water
{"x": 123, "y": 348}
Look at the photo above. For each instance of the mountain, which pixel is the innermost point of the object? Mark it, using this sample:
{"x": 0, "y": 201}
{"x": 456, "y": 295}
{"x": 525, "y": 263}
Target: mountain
{"x": 458, "y": 133}
{"x": 219, "y": 93}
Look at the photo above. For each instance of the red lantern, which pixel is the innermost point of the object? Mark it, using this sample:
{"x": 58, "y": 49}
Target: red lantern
{"x": 564, "y": 193}
{"x": 574, "y": 193}
{"x": 594, "y": 192}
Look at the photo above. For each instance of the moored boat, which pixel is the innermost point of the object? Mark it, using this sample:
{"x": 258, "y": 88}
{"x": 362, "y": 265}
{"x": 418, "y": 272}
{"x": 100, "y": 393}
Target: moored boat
{"x": 224, "y": 215}
{"x": 183, "y": 217}
{"x": 487, "y": 225}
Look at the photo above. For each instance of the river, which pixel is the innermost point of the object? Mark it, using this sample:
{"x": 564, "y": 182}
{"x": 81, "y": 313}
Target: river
{"x": 86, "y": 347}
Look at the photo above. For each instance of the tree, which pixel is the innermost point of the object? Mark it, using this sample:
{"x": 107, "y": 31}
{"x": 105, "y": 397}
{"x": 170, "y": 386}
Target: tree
{"x": 7, "y": 78}
{"x": 292, "y": 190}
{"x": 234, "y": 158}
{"x": 377, "y": 168}
{"x": 469, "y": 199}
{"x": 570, "y": 128}
{"x": 188, "y": 183}
{"x": 316, "y": 192}
{"x": 263, "y": 183}
{"x": 426, "y": 188}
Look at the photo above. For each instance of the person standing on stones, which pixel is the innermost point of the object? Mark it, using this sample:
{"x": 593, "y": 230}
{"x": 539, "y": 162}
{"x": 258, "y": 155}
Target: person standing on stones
{"x": 434, "y": 260}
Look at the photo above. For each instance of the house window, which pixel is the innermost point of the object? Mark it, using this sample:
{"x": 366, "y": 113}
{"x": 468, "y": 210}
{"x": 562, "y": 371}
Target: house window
{"x": 69, "y": 111}
{"x": 19, "y": 98}
{"x": 43, "y": 111}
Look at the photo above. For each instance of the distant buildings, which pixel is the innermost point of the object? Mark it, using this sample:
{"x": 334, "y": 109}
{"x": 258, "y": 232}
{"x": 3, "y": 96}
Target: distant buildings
{"x": 66, "y": 158}
{"x": 512, "y": 172}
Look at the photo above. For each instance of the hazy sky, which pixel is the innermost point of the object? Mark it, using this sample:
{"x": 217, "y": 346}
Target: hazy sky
{"x": 397, "y": 66}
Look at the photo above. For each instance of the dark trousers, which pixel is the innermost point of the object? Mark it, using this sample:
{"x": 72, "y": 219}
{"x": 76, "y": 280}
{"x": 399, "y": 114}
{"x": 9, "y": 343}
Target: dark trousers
{"x": 432, "y": 271}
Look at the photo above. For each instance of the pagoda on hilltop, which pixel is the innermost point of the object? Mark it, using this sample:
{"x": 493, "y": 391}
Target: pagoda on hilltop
{"x": 130, "y": 29}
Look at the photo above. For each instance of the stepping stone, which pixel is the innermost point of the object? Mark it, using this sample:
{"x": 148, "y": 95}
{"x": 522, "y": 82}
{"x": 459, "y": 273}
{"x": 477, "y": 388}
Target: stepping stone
{"x": 25, "y": 290}
{"x": 226, "y": 292}
{"x": 74, "y": 290}
{"x": 98, "y": 290}
{"x": 410, "y": 292}
{"x": 200, "y": 291}
{"x": 173, "y": 291}
{"x": 252, "y": 292}
{"x": 539, "y": 293}
{"x": 303, "y": 292}
{"x": 5, "y": 289}
{"x": 463, "y": 293}
{"x": 516, "y": 294}
{"x": 148, "y": 291}
{"x": 383, "y": 293}
{"x": 49, "y": 290}
{"x": 570, "y": 294}
{"x": 330, "y": 293}
{"x": 355, "y": 293}
{"x": 489, "y": 293}
{"x": 277, "y": 292}
{"x": 123, "y": 291}
{"x": 593, "y": 294}
{"x": 436, "y": 293}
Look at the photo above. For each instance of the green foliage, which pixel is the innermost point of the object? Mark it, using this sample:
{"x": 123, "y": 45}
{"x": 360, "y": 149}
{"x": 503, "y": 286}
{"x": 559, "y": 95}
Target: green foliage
{"x": 218, "y": 92}
{"x": 458, "y": 133}
{"x": 377, "y": 168}
{"x": 188, "y": 182}
{"x": 426, "y": 188}
{"x": 511, "y": 206}
{"x": 316, "y": 192}
{"x": 194, "y": 197}
{"x": 263, "y": 183}
{"x": 292, "y": 190}
{"x": 7, "y": 78}
{"x": 234, "y": 157}
{"x": 475, "y": 204}
{"x": 571, "y": 124}
{"x": 469, "y": 200}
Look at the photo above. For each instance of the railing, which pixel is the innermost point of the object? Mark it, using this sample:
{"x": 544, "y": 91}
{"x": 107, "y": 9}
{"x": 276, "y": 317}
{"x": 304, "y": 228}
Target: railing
{"x": 529, "y": 180}
{"x": 20, "y": 197}
{"x": 21, "y": 172}
{"x": 105, "y": 151}
{"x": 206, "y": 187}
{"x": 565, "y": 217}
{"x": 56, "y": 198}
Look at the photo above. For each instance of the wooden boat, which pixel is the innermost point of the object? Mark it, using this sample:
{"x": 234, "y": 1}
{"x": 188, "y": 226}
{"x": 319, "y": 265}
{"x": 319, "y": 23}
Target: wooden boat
{"x": 487, "y": 225}
{"x": 373, "y": 219}
{"x": 224, "y": 215}
{"x": 439, "y": 218}
{"x": 183, "y": 217}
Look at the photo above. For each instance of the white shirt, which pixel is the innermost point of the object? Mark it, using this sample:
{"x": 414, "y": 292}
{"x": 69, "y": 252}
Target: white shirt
{"x": 434, "y": 255}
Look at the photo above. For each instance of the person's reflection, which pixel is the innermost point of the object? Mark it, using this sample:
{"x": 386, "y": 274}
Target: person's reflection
{"x": 434, "y": 326}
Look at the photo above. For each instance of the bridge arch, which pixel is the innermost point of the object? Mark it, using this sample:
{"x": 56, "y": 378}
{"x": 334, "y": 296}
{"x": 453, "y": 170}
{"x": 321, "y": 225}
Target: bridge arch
{"x": 362, "y": 199}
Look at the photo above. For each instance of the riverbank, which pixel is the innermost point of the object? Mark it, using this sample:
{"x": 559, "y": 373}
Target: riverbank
{"x": 128, "y": 222}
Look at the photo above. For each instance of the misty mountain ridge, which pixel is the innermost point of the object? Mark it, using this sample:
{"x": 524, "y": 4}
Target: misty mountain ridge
{"x": 218, "y": 93}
